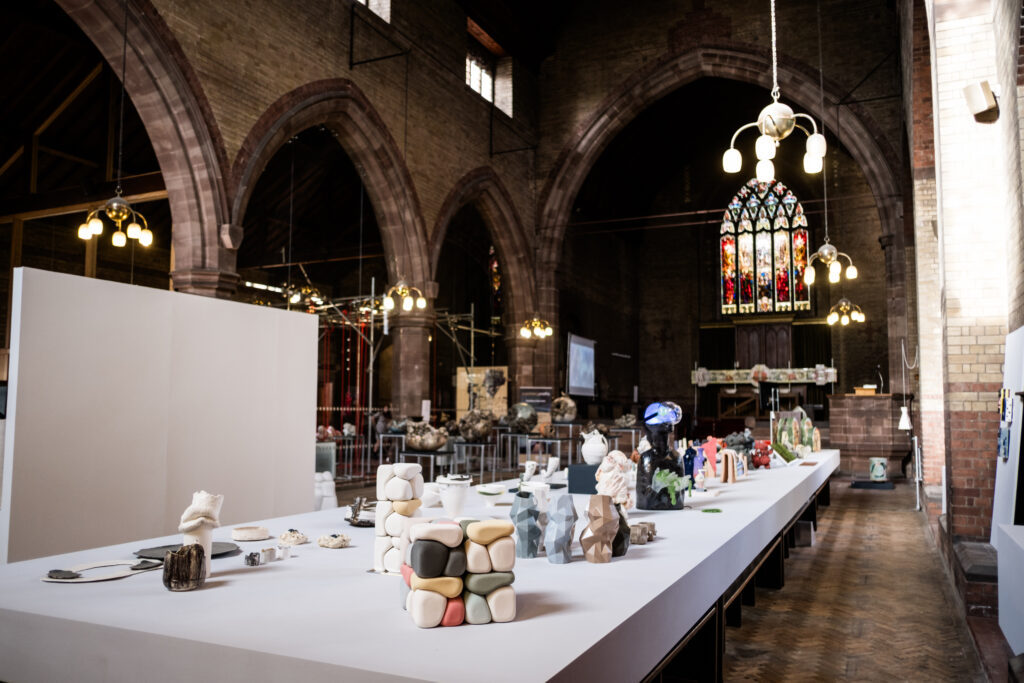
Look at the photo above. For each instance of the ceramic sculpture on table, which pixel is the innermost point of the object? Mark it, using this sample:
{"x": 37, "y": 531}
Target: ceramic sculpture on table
{"x": 348, "y": 429}
{"x": 613, "y": 478}
{"x": 660, "y": 476}
{"x": 459, "y": 573}
{"x": 816, "y": 440}
{"x": 563, "y": 409}
{"x": 476, "y": 425}
{"x": 454, "y": 489}
{"x": 601, "y": 529}
{"x": 594, "y": 448}
{"x": 560, "y": 532}
{"x": 421, "y": 436}
{"x": 521, "y": 418}
{"x": 186, "y": 569}
{"x": 399, "y": 488}
{"x": 641, "y": 533}
{"x": 525, "y": 516}
{"x": 626, "y": 421}
{"x": 199, "y": 520}
{"x": 731, "y": 469}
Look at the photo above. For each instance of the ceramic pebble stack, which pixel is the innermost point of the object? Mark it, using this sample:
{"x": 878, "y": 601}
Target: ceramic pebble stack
{"x": 460, "y": 573}
{"x": 399, "y": 487}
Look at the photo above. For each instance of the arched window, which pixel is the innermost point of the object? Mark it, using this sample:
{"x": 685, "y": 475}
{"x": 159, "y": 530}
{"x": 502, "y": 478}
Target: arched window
{"x": 763, "y": 249}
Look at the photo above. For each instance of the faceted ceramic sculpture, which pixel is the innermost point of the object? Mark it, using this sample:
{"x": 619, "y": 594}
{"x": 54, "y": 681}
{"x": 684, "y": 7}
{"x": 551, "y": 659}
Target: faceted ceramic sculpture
{"x": 185, "y": 568}
{"x": 559, "y": 534}
{"x": 600, "y": 531}
{"x": 198, "y": 521}
{"x": 563, "y": 409}
{"x": 525, "y": 516}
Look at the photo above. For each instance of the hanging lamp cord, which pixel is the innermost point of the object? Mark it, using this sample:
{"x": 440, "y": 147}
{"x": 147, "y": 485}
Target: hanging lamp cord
{"x": 821, "y": 94}
{"x": 120, "y": 126}
{"x": 775, "y": 60}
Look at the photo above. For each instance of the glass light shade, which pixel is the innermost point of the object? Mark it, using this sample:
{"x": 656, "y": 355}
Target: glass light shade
{"x": 389, "y": 303}
{"x": 835, "y": 270}
{"x": 548, "y": 331}
{"x": 134, "y": 230}
{"x": 732, "y": 160}
{"x": 812, "y": 164}
{"x": 832, "y": 318}
{"x": 816, "y": 145}
{"x": 119, "y": 239}
{"x": 765, "y": 171}
{"x": 851, "y": 272}
{"x": 421, "y": 303}
{"x": 407, "y": 303}
{"x": 845, "y": 320}
{"x": 764, "y": 148}
{"x": 524, "y": 332}
{"x": 84, "y": 232}
{"x": 809, "y": 275}
{"x": 96, "y": 226}
{"x": 146, "y": 237}
{"x": 904, "y": 424}
{"x": 294, "y": 298}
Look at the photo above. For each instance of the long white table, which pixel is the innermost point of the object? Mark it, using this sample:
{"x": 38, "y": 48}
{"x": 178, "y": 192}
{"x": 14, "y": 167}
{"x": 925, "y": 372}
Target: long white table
{"x": 320, "y": 616}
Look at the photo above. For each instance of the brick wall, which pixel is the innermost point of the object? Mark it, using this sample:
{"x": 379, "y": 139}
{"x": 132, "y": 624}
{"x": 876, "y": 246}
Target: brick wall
{"x": 864, "y": 427}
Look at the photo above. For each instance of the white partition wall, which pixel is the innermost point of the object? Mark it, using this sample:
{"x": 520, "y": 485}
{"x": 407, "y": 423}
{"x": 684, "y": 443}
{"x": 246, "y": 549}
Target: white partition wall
{"x": 124, "y": 400}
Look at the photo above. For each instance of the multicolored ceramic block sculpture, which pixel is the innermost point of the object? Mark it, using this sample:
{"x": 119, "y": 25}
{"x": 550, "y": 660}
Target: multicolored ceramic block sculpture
{"x": 459, "y": 573}
{"x": 600, "y": 532}
{"x": 526, "y": 518}
{"x": 399, "y": 487}
{"x": 559, "y": 534}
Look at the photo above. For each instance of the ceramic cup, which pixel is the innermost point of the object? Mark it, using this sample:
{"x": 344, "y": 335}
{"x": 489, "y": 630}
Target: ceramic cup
{"x": 453, "y": 495}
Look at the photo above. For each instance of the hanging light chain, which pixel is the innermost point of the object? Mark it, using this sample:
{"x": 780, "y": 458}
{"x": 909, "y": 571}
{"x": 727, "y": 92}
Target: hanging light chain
{"x": 775, "y": 60}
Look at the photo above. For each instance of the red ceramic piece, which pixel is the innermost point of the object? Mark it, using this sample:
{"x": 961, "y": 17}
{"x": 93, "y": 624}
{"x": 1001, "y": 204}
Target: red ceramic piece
{"x": 407, "y": 575}
{"x": 454, "y": 613}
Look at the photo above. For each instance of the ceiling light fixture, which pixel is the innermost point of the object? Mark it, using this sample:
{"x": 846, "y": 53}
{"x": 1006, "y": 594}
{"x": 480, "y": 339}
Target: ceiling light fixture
{"x": 405, "y": 294}
{"x": 776, "y": 122}
{"x": 535, "y": 327}
{"x": 845, "y": 311}
{"x": 117, "y": 208}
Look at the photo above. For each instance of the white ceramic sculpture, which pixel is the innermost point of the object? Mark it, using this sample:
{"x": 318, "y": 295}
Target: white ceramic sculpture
{"x": 198, "y": 521}
{"x": 454, "y": 489}
{"x": 594, "y": 447}
{"x": 399, "y": 491}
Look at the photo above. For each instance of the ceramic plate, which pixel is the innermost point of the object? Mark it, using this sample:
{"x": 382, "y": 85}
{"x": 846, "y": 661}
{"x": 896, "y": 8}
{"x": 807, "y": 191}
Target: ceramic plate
{"x": 219, "y": 548}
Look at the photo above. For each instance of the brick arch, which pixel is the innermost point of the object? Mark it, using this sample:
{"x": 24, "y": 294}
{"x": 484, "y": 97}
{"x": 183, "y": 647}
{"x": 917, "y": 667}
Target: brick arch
{"x": 340, "y": 106}
{"x": 483, "y": 189}
{"x": 855, "y": 131}
{"x": 180, "y": 125}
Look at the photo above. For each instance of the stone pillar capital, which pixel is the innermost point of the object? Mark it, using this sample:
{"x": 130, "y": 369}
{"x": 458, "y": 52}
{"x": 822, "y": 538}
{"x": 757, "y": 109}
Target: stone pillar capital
{"x": 205, "y": 281}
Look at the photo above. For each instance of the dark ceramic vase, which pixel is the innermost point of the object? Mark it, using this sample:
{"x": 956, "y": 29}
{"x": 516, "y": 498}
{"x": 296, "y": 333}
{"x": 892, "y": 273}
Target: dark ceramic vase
{"x": 620, "y": 544}
{"x": 646, "y": 497}
{"x": 185, "y": 569}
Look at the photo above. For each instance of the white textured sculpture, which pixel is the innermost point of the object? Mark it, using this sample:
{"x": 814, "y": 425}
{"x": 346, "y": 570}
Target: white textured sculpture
{"x": 613, "y": 479}
{"x": 399, "y": 488}
{"x": 199, "y": 520}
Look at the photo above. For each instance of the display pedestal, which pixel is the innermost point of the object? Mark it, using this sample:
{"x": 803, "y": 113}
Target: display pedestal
{"x": 583, "y": 479}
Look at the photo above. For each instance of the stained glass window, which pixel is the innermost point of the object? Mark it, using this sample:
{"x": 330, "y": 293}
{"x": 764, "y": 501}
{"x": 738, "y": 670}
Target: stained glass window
{"x": 763, "y": 251}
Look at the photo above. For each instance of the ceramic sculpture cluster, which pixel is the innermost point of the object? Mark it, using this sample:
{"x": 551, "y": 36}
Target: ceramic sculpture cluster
{"x": 399, "y": 488}
{"x": 457, "y": 573}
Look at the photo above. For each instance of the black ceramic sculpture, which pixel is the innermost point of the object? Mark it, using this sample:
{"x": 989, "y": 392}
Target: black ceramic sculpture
{"x": 620, "y": 544}
{"x": 184, "y": 568}
{"x": 660, "y": 480}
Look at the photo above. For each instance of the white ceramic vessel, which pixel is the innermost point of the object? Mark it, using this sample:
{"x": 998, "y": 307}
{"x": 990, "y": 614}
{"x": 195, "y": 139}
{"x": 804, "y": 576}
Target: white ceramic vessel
{"x": 594, "y": 447}
{"x": 453, "y": 494}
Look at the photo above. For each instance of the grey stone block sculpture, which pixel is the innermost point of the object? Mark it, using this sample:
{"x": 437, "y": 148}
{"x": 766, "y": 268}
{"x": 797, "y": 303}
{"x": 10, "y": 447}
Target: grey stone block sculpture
{"x": 561, "y": 529}
{"x": 526, "y": 518}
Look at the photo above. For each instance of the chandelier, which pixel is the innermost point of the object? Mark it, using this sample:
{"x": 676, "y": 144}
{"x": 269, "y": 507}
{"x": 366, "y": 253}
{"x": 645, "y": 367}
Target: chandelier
{"x": 776, "y": 122}
{"x": 536, "y": 327}
{"x": 829, "y": 256}
{"x": 117, "y": 208}
{"x": 843, "y": 312}
{"x": 404, "y": 293}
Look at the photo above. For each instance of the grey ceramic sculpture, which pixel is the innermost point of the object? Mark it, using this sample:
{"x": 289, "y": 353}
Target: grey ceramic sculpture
{"x": 561, "y": 527}
{"x": 563, "y": 409}
{"x": 476, "y": 425}
{"x": 525, "y": 515}
{"x": 420, "y": 436}
{"x": 521, "y": 418}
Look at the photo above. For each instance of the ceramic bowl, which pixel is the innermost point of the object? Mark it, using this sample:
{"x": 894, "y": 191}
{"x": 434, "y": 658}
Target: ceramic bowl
{"x": 491, "y": 493}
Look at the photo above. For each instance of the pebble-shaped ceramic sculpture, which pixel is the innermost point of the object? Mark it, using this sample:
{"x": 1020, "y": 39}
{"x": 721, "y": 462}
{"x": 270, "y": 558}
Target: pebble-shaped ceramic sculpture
{"x": 599, "y": 533}
{"x": 526, "y": 517}
{"x": 334, "y": 541}
{"x": 399, "y": 487}
{"x": 459, "y": 573}
{"x": 560, "y": 532}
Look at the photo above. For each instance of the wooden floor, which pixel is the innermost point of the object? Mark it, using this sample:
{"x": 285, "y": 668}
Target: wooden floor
{"x": 869, "y": 601}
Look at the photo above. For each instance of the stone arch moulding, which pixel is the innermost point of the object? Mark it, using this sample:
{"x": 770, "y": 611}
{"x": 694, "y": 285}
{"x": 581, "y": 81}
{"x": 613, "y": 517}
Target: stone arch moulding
{"x": 340, "y": 106}
{"x": 856, "y": 131}
{"x": 483, "y": 188}
{"x": 177, "y": 117}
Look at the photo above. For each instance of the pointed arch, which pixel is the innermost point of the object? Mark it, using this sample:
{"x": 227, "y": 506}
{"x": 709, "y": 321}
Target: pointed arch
{"x": 483, "y": 189}
{"x": 180, "y": 125}
{"x": 340, "y": 106}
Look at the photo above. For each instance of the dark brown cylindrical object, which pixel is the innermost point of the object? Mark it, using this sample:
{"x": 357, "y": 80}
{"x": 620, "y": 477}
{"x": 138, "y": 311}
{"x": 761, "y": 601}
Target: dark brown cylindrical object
{"x": 184, "y": 568}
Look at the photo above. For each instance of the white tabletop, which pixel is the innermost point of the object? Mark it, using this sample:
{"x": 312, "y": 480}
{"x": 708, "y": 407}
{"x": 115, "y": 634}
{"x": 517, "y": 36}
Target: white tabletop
{"x": 320, "y": 616}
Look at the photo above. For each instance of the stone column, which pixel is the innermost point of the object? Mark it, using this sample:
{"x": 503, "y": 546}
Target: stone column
{"x": 410, "y": 383}
{"x": 545, "y": 357}
{"x": 205, "y": 281}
